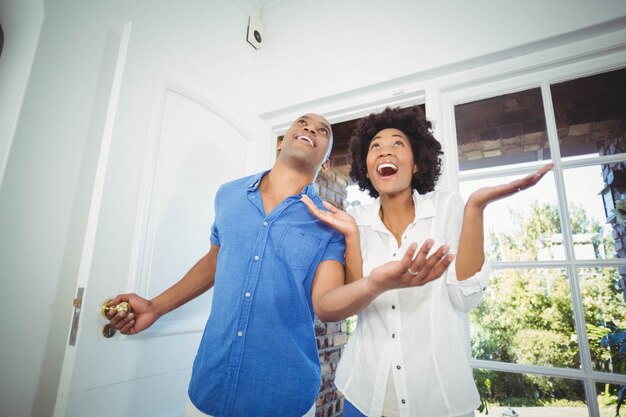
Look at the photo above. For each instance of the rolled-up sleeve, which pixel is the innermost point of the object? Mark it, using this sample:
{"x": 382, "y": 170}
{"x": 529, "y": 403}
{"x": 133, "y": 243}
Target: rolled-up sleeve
{"x": 465, "y": 295}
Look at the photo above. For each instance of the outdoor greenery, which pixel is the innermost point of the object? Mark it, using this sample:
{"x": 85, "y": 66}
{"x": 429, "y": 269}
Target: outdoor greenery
{"x": 527, "y": 318}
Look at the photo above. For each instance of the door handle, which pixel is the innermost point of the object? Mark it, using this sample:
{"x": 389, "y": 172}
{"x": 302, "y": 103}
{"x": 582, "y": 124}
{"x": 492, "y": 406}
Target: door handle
{"x": 123, "y": 306}
{"x": 108, "y": 331}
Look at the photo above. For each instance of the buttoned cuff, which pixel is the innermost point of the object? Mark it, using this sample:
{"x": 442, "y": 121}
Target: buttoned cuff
{"x": 477, "y": 283}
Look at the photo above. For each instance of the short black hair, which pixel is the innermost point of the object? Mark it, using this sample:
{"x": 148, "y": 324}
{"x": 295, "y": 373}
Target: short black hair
{"x": 412, "y": 122}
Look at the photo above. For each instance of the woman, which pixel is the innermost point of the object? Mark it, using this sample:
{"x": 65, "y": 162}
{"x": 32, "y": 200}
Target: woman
{"x": 409, "y": 355}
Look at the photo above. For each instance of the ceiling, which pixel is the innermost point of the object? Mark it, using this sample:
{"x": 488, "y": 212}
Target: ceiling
{"x": 270, "y": 10}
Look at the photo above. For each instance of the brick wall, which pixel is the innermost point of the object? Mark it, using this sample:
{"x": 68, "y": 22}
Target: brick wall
{"x": 331, "y": 184}
{"x": 331, "y": 337}
{"x": 614, "y": 175}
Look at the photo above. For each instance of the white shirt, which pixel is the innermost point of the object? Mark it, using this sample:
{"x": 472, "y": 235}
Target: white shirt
{"x": 412, "y": 344}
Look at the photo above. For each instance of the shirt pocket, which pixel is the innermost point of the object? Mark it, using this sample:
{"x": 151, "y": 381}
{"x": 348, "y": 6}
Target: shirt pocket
{"x": 297, "y": 248}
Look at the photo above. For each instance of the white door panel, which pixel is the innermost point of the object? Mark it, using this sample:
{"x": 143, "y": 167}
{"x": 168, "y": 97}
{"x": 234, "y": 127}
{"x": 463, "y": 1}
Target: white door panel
{"x": 133, "y": 398}
{"x": 197, "y": 152}
{"x": 165, "y": 152}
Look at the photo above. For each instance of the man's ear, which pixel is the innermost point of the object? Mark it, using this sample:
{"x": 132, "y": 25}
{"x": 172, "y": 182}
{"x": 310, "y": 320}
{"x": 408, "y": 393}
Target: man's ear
{"x": 326, "y": 164}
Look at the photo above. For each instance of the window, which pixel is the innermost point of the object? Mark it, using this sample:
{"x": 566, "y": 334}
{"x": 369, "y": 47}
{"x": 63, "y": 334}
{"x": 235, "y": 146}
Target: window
{"x": 551, "y": 331}
{"x": 502, "y": 130}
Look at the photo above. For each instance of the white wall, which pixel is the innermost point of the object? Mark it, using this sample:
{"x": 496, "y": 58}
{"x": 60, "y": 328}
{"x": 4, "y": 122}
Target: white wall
{"x": 21, "y": 23}
{"x": 42, "y": 206}
{"x": 332, "y": 47}
{"x": 322, "y": 50}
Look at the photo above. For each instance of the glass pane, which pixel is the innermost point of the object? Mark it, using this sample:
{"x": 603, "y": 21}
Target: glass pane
{"x": 503, "y": 393}
{"x": 522, "y": 226}
{"x": 356, "y": 197}
{"x": 608, "y": 398}
{"x": 605, "y": 316}
{"x": 590, "y": 202}
{"x": 502, "y": 130}
{"x": 526, "y": 317}
{"x": 590, "y": 114}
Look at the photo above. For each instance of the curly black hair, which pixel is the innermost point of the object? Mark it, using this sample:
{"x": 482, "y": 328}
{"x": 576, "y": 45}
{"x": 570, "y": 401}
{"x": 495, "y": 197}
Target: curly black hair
{"x": 412, "y": 122}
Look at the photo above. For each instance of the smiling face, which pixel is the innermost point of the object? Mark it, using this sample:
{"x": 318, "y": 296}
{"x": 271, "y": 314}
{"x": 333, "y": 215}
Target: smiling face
{"x": 308, "y": 140}
{"x": 390, "y": 164}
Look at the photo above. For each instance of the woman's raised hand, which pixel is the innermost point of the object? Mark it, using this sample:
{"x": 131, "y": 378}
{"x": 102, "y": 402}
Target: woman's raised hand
{"x": 483, "y": 196}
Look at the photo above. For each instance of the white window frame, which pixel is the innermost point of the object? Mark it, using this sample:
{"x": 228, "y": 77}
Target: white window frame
{"x": 587, "y": 58}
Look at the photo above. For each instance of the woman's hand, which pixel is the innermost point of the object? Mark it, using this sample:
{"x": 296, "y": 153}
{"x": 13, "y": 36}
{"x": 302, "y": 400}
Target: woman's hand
{"x": 470, "y": 254}
{"x": 411, "y": 270}
{"x": 483, "y": 196}
{"x": 334, "y": 217}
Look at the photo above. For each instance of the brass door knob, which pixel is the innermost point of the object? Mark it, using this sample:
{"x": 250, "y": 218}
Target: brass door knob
{"x": 123, "y": 306}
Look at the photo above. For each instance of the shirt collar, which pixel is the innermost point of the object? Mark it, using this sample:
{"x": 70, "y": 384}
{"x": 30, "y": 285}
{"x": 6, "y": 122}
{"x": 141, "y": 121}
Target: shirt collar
{"x": 424, "y": 208}
{"x": 255, "y": 181}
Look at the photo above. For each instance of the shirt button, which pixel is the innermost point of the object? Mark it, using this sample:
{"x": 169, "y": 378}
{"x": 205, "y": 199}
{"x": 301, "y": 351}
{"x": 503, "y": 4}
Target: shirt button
{"x": 248, "y": 294}
{"x": 264, "y": 223}
{"x": 393, "y": 307}
{"x": 256, "y": 258}
{"x": 393, "y": 256}
{"x": 239, "y": 333}
{"x": 393, "y": 335}
{"x": 402, "y": 401}
{"x": 398, "y": 367}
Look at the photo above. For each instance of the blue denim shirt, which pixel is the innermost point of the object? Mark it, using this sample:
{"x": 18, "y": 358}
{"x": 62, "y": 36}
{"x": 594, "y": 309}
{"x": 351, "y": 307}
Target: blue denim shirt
{"x": 258, "y": 355}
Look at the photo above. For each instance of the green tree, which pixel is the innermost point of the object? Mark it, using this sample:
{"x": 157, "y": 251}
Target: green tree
{"x": 530, "y": 233}
{"x": 527, "y": 315}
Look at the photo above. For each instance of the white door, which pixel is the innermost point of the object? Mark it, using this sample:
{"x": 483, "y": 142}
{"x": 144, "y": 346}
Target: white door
{"x": 165, "y": 151}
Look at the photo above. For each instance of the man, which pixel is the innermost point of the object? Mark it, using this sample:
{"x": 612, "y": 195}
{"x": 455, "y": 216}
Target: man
{"x": 278, "y": 266}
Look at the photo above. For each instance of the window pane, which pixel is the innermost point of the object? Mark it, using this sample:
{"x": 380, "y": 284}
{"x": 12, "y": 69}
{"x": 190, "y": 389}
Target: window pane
{"x": 502, "y": 130}
{"x": 590, "y": 202}
{"x": 522, "y": 226}
{"x": 605, "y": 316}
{"x": 607, "y": 398}
{"x": 590, "y": 114}
{"x": 526, "y": 318}
{"x": 356, "y": 197}
{"x": 530, "y": 395}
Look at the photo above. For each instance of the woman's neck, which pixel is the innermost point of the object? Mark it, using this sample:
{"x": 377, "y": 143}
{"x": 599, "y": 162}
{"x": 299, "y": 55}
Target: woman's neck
{"x": 397, "y": 212}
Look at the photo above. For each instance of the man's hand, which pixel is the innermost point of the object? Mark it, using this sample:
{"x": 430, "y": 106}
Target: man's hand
{"x": 144, "y": 314}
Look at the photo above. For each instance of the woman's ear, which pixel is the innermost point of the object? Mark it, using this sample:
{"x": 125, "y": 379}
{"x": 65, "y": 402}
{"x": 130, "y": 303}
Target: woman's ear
{"x": 415, "y": 168}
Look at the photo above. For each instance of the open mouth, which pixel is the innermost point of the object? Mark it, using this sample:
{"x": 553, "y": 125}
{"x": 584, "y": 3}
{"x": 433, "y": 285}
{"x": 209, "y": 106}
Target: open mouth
{"x": 386, "y": 169}
{"x": 307, "y": 140}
